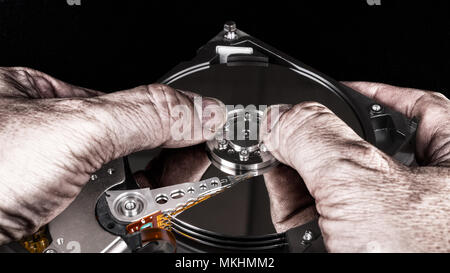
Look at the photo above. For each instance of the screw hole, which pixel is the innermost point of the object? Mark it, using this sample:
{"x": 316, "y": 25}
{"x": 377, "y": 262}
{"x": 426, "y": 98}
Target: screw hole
{"x": 177, "y": 194}
{"x": 161, "y": 199}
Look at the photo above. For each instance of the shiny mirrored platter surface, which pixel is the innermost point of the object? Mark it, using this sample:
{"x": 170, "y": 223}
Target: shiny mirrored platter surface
{"x": 245, "y": 209}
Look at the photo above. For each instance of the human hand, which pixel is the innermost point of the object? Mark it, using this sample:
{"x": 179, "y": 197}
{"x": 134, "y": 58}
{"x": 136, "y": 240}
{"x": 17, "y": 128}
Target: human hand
{"x": 367, "y": 201}
{"x": 56, "y": 135}
{"x": 174, "y": 166}
{"x": 291, "y": 204}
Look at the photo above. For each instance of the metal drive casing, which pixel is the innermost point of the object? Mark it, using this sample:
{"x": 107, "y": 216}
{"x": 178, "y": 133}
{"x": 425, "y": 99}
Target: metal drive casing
{"x": 237, "y": 149}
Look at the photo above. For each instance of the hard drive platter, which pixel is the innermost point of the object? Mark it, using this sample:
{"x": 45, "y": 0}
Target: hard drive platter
{"x": 240, "y": 70}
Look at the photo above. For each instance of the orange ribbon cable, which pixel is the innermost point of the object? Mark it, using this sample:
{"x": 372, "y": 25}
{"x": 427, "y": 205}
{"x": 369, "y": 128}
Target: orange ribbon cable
{"x": 149, "y": 235}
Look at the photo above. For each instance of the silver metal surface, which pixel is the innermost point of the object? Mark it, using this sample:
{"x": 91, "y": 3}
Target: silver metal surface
{"x": 237, "y": 148}
{"x": 376, "y": 107}
{"x": 165, "y": 199}
{"x": 307, "y": 237}
{"x": 116, "y": 246}
{"x": 229, "y": 26}
{"x": 76, "y": 229}
{"x": 230, "y": 30}
{"x": 225, "y": 51}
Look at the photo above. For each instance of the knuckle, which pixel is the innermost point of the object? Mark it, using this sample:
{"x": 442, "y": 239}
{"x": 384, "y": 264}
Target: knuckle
{"x": 162, "y": 97}
{"x": 373, "y": 88}
{"x": 155, "y": 87}
{"x": 351, "y": 159}
{"x": 438, "y": 96}
{"x": 430, "y": 99}
{"x": 23, "y": 80}
{"x": 17, "y": 70}
{"x": 305, "y": 113}
{"x": 431, "y": 105}
{"x": 159, "y": 90}
{"x": 310, "y": 106}
{"x": 379, "y": 88}
{"x": 359, "y": 155}
{"x": 21, "y": 222}
{"x": 360, "y": 148}
{"x": 4, "y": 71}
{"x": 23, "y": 74}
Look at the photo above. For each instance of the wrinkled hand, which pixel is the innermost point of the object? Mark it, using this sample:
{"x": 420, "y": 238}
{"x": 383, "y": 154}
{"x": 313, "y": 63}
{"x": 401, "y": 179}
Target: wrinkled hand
{"x": 291, "y": 204}
{"x": 366, "y": 200}
{"x": 174, "y": 166}
{"x": 55, "y": 135}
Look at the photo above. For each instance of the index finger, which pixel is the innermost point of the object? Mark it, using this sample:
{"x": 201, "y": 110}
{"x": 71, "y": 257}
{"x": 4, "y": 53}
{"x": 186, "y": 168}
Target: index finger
{"x": 408, "y": 101}
{"x": 431, "y": 108}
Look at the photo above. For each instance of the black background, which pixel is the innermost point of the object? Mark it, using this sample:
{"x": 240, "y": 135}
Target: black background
{"x": 113, "y": 45}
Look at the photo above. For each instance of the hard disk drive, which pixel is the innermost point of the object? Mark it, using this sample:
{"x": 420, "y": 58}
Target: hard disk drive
{"x": 212, "y": 197}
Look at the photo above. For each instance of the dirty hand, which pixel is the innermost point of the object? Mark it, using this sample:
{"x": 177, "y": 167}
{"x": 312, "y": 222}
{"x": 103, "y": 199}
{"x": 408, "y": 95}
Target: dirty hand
{"x": 55, "y": 135}
{"x": 367, "y": 201}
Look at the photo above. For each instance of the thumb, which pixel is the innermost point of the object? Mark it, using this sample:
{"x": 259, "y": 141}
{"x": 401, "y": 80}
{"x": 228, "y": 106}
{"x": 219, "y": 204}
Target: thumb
{"x": 320, "y": 146}
{"x": 147, "y": 117}
{"x": 431, "y": 108}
